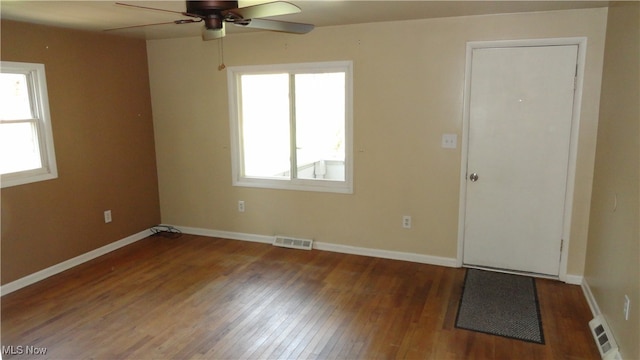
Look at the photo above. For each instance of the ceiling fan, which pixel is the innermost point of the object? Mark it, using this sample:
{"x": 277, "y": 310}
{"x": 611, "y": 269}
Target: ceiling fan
{"x": 215, "y": 14}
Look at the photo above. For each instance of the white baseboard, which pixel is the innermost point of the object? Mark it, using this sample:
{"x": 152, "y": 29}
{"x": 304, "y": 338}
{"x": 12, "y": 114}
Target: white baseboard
{"x": 68, "y": 264}
{"x": 345, "y": 249}
{"x": 591, "y": 300}
{"x": 387, "y": 254}
{"x": 573, "y": 279}
{"x": 225, "y": 234}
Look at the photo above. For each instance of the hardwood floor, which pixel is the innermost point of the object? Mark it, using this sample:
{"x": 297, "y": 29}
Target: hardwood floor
{"x": 204, "y": 298}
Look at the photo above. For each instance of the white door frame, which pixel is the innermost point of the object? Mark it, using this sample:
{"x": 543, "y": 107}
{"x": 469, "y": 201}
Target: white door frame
{"x": 581, "y": 42}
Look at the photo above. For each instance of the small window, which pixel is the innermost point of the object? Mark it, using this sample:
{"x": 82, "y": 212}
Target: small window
{"x": 291, "y": 126}
{"x": 26, "y": 141}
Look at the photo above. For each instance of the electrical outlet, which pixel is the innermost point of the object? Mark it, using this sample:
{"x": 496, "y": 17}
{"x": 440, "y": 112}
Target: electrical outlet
{"x": 406, "y": 222}
{"x": 241, "y": 206}
{"x": 627, "y": 304}
{"x": 107, "y": 216}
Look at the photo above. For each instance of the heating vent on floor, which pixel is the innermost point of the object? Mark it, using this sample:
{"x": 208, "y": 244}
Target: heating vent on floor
{"x": 604, "y": 339}
{"x": 289, "y": 242}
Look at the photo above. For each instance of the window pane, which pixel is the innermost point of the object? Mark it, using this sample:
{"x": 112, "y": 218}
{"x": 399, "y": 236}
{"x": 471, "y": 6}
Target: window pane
{"x": 19, "y": 149}
{"x": 320, "y": 126}
{"x": 265, "y": 125}
{"x": 14, "y": 97}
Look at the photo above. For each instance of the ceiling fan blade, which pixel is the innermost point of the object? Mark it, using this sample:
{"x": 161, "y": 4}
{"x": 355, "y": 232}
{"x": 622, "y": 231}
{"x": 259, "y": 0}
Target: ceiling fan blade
{"x": 212, "y": 34}
{"x": 183, "y": 21}
{"x": 265, "y": 10}
{"x": 274, "y": 25}
{"x": 150, "y": 8}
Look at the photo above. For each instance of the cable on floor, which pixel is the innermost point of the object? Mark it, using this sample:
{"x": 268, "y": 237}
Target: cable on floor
{"x": 167, "y": 231}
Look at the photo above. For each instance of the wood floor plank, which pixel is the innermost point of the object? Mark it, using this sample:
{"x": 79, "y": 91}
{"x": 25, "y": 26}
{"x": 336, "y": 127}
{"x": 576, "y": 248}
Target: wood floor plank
{"x": 196, "y": 297}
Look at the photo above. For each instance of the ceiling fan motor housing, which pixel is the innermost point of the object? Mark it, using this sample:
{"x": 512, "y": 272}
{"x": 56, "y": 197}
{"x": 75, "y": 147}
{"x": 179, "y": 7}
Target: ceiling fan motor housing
{"x": 205, "y": 8}
{"x": 211, "y": 11}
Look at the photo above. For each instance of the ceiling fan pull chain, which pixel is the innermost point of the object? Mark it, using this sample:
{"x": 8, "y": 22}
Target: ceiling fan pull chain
{"x": 221, "y": 55}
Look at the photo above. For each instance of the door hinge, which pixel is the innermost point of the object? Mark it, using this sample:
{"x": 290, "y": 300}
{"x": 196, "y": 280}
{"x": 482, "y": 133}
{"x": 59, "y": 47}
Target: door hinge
{"x": 561, "y": 244}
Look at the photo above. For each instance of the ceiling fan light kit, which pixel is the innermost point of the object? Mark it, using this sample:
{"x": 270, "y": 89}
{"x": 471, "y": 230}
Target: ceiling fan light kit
{"x": 212, "y": 34}
{"x": 215, "y": 14}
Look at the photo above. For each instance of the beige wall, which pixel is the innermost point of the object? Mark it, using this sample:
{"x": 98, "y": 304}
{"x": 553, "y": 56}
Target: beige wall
{"x": 408, "y": 91}
{"x": 612, "y": 266}
{"x": 100, "y": 108}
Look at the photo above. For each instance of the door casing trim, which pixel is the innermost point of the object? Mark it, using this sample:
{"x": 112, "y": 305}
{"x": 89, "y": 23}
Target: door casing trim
{"x": 581, "y": 42}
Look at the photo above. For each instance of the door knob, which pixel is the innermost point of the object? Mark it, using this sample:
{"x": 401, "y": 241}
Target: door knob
{"x": 473, "y": 177}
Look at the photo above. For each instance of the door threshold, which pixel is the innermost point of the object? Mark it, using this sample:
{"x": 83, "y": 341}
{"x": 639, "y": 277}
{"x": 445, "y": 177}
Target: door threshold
{"x": 513, "y": 272}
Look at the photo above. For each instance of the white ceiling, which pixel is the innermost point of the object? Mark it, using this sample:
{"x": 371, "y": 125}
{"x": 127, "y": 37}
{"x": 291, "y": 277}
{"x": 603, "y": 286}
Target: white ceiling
{"x": 102, "y": 15}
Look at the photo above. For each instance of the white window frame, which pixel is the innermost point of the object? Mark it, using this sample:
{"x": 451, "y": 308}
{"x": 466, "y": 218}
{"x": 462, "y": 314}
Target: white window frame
{"x": 39, "y": 100}
{"x": 233, "y": 81}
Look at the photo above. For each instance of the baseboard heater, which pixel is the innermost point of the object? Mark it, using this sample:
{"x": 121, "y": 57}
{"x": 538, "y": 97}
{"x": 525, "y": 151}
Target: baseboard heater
{"x": 293, "y": 243}
{"x": 604, "y": 339}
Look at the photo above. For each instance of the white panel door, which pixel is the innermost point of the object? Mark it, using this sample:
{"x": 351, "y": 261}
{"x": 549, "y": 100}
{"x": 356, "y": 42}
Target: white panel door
{"x": 520, "y": 113}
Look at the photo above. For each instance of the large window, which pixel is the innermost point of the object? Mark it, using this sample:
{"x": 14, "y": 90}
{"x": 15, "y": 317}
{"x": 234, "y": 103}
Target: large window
{"x": 26, "y": 142}
{"x": 291, "y": 126}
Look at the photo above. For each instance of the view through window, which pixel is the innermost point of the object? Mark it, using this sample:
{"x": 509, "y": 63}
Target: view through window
{"x": 293, "y": 127}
